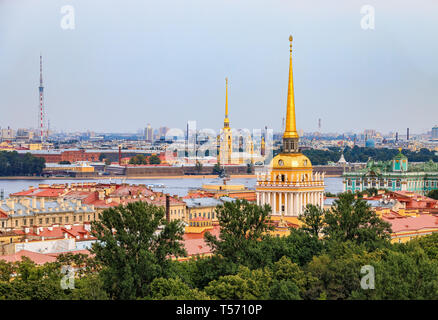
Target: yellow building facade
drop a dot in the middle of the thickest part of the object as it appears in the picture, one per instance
(291, 183)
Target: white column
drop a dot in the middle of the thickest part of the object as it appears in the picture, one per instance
(299, 202)
(274, 209)
(321, 200)
(258, 198)
(295, 204)
(285, 203)
(268, 198)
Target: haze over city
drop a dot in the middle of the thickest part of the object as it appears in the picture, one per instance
(130, 63)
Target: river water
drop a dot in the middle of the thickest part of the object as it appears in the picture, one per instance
(178, 187)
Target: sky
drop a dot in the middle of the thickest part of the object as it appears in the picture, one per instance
(129, 63)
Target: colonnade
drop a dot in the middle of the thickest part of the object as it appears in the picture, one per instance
(291, 203)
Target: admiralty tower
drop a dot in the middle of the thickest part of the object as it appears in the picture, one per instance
(290, 184)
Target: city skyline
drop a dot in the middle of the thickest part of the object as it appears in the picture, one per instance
(165, 69)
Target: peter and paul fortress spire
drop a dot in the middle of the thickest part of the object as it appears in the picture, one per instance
(226, 120)
(290, 136)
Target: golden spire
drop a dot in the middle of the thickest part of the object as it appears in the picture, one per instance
(290, 130)
(226, 120)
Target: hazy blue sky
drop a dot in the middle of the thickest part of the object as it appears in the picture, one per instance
(129, 63)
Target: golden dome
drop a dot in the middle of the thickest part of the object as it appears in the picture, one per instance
(290, 160)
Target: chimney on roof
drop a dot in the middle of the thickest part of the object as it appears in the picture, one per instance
(42, 203)
(25, 202)
(167, 208)
(10, 203)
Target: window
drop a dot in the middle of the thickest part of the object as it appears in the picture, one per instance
(53, 220)
(398, 183)
(16, 223)
(74, 218)
(3, 224)
(349, 182)
(88, 217)
(80, 218)
(60, 219)
(31, 222)
(66, 219)
(41, 221)
(47, 220)
(24, 222)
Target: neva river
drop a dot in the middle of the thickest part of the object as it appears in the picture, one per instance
(172, 186)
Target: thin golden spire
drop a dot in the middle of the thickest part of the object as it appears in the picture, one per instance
(290, 131)
(226, 120)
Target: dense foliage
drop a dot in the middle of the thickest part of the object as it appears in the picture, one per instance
(13, 164)
(321, 260)
(362, 154)
(142, 159)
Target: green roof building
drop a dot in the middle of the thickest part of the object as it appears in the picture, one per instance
(394, 175)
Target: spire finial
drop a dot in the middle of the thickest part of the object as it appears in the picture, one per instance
(226, 120)
(290, 129)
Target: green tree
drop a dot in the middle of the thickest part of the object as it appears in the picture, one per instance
(245, 285)
(135, 244)
(90, 287)
(404, 274)
(138, 159)
(352, 219)
(313, 220)
(175, 289)
(154, 159)
(433, 194)
(242, 224)
(198, 166)
(217, 169)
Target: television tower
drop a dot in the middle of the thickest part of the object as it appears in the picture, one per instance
(41, 106)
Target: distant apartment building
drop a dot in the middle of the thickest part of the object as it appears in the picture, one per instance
(148, 133)
(22, 212)
(7, 134)
(435, 132)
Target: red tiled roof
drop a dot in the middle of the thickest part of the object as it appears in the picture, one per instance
(413, 223)
(3, 215)
(38, 258)
(40, 192)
